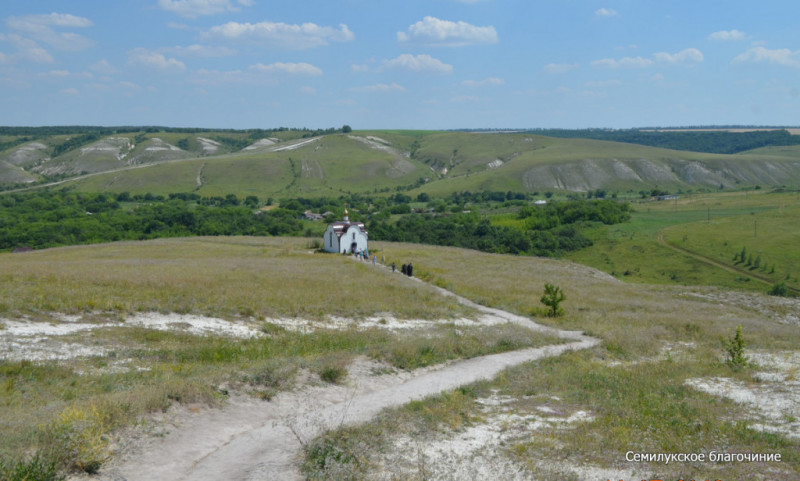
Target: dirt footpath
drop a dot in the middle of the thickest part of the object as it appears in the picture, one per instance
(250, 439)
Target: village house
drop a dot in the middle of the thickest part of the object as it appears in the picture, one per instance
(345, 237)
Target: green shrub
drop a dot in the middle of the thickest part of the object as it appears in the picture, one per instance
(779, 289)
(734, 349)
(552, 298)
(37, 468)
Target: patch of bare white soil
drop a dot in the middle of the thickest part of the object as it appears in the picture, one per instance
(260, 144)
(250, 439)
(209, 146)
(295, 145)
(773, 397)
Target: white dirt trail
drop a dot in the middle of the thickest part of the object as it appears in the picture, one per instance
(250, 439)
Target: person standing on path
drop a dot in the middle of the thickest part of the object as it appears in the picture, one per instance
(394, 266)
(410, 270)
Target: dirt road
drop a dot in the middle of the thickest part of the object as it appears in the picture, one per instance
(250, 439)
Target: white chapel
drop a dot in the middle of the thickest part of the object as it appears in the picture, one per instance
(344, 236)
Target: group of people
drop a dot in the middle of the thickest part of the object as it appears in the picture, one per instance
(363, 255)
(407, 269)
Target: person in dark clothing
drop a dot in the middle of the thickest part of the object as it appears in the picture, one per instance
(403, 269)
(409, 270)
(394, 266)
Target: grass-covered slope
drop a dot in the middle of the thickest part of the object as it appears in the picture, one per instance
(383, 161)
(330, 165)
(522, 162)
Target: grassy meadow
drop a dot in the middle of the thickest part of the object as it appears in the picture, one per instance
(65, 410)
(714, 226)
(655, 338)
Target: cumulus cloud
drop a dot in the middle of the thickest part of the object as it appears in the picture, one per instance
(690, 56)
(140, 57)
(380, 88)
(258, 74)
(27, 50)
(301, 68)
(606, 12)
(42, 28)
(56, 74)
(560, 68)
(418, 63)
(465, 98)
(200, 51)
(726, 35)
(436, 32)
(783, 57)
(484, 82)
(295, 37)
(197, 8)
(103, 67)
(626, 62)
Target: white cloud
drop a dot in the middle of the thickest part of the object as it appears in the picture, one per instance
(433, 31)
(140, 57)
(418, 63)
(689, 56)
(484, 82)
(200, 51)
(465, 98)
(359, 68)
(295, 37)
(69, 91)
(178, 26)
(128, 85)
(258, 74)
(726, 35)
(56, 74)
(380, 88)
(626, 62)
(606, 12)
(197, 8)
(42, 28)
(604, 83)
(27, 49)
(287, 68)
(783, 57)
(560, 68)
(103, 67)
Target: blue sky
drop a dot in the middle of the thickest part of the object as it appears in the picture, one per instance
(424, 64)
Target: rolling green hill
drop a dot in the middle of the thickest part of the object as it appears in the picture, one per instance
(288, 164)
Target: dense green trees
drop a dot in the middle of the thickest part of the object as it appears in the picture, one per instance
(55, 218)
(549, 230)
(48, 219)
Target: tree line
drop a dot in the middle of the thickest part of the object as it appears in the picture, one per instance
(551, 230)
(700, 141)
(56, 218)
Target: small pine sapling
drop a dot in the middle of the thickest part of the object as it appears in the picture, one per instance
(552, 298)
(734, 350)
